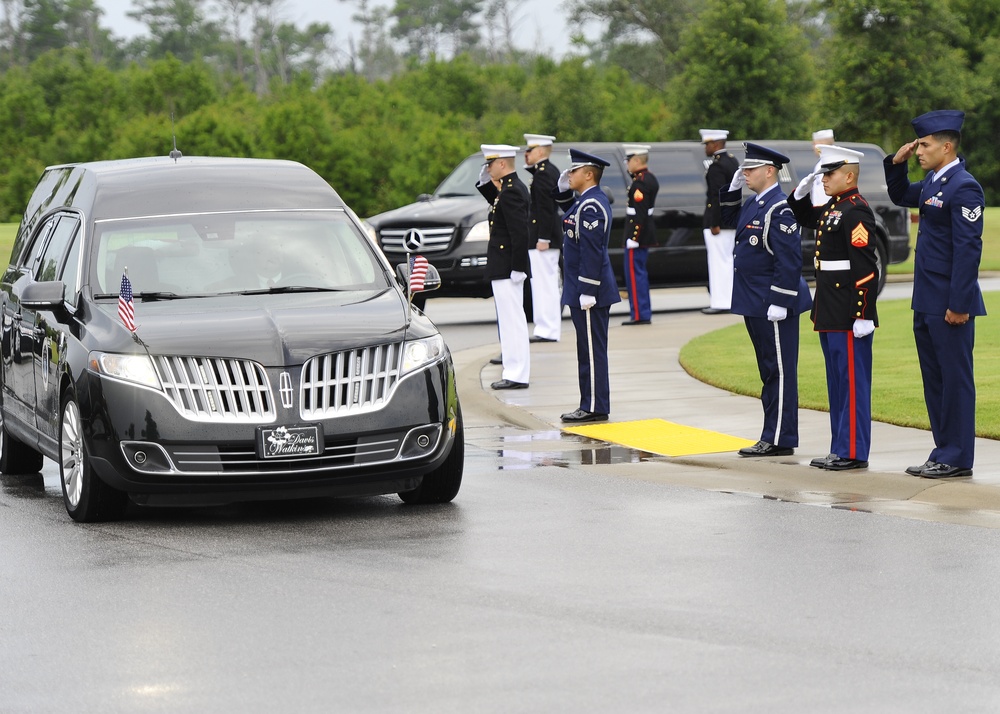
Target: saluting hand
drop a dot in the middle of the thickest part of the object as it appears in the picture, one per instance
(738, 182)
(563, 184)
(905, 152)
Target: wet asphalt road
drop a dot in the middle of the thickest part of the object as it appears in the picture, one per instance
(546, 587)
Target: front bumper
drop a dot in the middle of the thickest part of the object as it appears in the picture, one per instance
(137, 442)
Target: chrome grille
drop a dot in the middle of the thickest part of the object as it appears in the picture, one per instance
(349, 382)
(216, 390)
(417, 239)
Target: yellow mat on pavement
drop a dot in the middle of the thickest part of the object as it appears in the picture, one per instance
(658, 436)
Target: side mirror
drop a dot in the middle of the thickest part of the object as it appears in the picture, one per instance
(432, 280)
(44, 296)
(424, 197)
(607, 192)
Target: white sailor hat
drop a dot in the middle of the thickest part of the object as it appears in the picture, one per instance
(636, 149)
(498, 151)
(823, 135)
(533, 140)
(708, 135)
(832, 157)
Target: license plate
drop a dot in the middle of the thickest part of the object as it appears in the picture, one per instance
(283, 442)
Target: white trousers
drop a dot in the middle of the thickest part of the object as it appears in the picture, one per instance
(546, 297)
(513, 326)
(720, 267)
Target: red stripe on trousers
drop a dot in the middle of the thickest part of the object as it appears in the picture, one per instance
(631, 284)
(852, 399)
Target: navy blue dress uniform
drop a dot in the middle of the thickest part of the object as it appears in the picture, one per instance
(640, 228)
(847, 278)
(587, 271)
(545, 230)
(507, 265)
(720, 167)
(767, 277)
(945, 278)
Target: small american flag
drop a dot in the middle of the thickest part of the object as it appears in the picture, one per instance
(418, 272)
(126, 308)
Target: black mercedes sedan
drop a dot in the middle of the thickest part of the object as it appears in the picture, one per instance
(190, 330)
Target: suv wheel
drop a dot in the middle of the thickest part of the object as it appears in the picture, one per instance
(87, 498)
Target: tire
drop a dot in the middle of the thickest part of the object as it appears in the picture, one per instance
(86, 497)
(441, 485)
(16, 457)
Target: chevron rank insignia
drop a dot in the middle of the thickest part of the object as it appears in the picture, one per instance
(787, 229)
(590, 226)
(638, 196)
(972, 214)
(859, 236)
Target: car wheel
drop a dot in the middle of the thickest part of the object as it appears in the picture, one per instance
(87, 498)
(441, 485)
(15, 456)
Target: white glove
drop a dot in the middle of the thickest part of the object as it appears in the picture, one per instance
(776, 313)
(484, 175)
(517, 277)
(587, 301)
(805, 186)
(738, 182)
(563, 184)
(863, 328)
(631, 244)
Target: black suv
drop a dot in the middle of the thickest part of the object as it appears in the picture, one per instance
(449, 226)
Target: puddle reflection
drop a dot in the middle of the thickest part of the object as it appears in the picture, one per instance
(591, 452)
(23, 485)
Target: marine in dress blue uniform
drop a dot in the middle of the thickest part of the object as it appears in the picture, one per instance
(589, 287)
(640, 232)
(946, 295)
(844, 311)
(507, 265)
(769, 291)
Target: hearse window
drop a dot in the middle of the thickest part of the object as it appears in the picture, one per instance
(34, 255)
(48, 266)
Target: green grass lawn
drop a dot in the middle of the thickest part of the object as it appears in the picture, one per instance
(725, 359)
(991, 245)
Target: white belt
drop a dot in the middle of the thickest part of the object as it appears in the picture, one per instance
(833, 265)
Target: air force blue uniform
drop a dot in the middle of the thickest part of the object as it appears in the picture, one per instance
(945, 277)
(767, 270)
(587, 271)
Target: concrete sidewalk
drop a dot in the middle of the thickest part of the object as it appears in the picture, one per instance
(648, 382)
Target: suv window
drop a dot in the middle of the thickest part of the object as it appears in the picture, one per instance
(34, 254)
(48, 266)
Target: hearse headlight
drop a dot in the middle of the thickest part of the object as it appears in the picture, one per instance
(131, 368)
(420, 353)
(478, 233)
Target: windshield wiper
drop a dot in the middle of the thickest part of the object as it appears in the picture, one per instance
(154, 295)
(452, 195)
(284, 289)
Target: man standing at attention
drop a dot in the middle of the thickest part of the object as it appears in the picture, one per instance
(507, 259)
(721, 166)
(821, 138)
(769, 291)
(640, 232)
(544, 239)
(589, 287)
(946, 294)
(844, 314)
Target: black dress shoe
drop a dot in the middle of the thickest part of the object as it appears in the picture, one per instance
(762, 448)
(822, 461)
(508, 384)
(714, 311)
(497, 360)
(839, 464)
(945, 471)
(918, 470)
(581, 415)
(535, 338)
(637, 322)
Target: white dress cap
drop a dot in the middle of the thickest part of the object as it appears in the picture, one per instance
(533, 140)
(636, 149)
(823, 135)
(833, 157)
(708, 135)
(498, 151)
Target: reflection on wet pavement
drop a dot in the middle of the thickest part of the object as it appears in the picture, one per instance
(23, 485)
(524, 450)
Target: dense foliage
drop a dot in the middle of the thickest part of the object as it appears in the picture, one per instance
(385, 118)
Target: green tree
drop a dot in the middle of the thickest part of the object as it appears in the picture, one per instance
(428, 25)
(887, 63)
(177, 27)
(746, 69)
